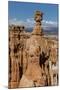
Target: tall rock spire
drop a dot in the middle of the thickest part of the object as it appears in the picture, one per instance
(37, 28)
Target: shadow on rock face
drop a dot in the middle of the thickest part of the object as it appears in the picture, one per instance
(42, 59)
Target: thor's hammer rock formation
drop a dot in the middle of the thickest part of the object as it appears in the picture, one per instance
(32, 57)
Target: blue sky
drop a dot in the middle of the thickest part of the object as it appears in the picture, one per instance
(20, 12)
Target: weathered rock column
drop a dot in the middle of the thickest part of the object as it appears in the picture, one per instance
(15, 55)
(37, 28)
(14, 65)
(33, 74)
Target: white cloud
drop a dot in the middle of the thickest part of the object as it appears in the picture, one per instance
(47, 25)
(29, 23)
(15, 22)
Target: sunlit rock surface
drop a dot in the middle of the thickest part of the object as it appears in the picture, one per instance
(33, 58)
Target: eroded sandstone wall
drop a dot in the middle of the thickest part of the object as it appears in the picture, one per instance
(33, 59)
